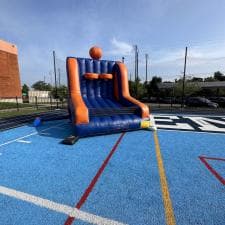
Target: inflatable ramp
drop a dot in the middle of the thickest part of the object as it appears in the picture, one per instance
(99, 98)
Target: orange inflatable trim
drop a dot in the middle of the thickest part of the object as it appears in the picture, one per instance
(91, 76)
(126, 92)
(80, 109)
(106, 76)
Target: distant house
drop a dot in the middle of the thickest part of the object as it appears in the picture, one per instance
(41, 96)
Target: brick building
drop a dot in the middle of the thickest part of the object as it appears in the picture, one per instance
(10, 86)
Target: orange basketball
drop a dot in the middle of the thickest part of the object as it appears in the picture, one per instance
(95, 52)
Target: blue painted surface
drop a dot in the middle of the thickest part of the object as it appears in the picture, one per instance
(129, 190)
(198, 198)
(218, 166)
(18, 132)
(16, 212)
(50, 170)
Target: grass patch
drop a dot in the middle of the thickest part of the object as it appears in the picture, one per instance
(13, 105)
(25, 111)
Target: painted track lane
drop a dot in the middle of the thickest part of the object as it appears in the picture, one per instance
(197, 196)
(129, 189)
(93, 182)
(56, 207)
(50, 170)
(169, 213)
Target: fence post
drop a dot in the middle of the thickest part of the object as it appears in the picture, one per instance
(57, 102)
(51, 101)
(36, 102)
(17, 104)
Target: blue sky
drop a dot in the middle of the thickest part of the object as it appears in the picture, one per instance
(160, 28)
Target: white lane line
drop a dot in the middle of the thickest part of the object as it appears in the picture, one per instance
(24, 141)
(28, 135)
(171, 117)
(163, 120)
(61, 208)
(45, 133)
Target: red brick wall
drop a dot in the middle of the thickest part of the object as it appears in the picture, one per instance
(9, 75)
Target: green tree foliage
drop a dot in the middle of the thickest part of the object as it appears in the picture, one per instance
(42, 86)
(132, 87)
(209, 79)
(152, 87)
(196, 79)
(146, 89)
(219, 76)
(190, 88)
(62, 92)
(25, 90)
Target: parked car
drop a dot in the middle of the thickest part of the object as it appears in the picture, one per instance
(144, 99)
(200, 102)
(219, 100)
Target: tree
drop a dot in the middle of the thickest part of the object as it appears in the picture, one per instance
(190, 88)
(152, 87)
(25, 90)
(209, 79)
(62, 92)
(42, 86)
(132, 87)
(219, 76)
(196, 79)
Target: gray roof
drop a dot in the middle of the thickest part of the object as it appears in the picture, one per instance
(213, 84)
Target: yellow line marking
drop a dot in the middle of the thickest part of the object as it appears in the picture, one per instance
(170, 218)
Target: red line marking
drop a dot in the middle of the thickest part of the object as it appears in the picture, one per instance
(213, 171)
(85, 195)
(213, 158)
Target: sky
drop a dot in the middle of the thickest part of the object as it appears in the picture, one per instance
(162, 29)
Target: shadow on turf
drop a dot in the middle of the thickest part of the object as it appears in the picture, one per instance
(60, 130)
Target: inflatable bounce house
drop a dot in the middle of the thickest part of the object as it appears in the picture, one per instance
(99, 97)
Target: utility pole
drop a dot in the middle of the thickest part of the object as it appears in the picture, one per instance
(59, 77)
(55, 74)
(146, 68)
(56, 90)
(50, 75)
(183, 92)
(135, 63)
(136, 69)
(123, 59)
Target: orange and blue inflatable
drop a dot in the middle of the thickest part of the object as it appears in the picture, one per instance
(99, 97)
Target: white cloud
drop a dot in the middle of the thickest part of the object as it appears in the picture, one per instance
(120, 48)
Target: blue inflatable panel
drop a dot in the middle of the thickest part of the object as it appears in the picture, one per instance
(106, 114)
(108, 124)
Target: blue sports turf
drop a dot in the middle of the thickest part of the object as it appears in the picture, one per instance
(127, 191)
(197, 196)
